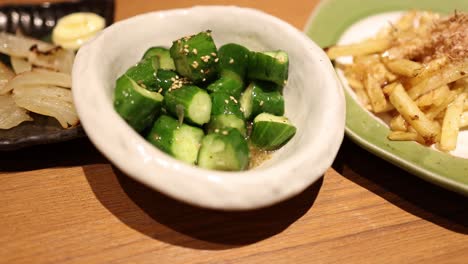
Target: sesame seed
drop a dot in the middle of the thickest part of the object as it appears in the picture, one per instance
(242, 109)
(216, 130)
(177, 76)
(285, 82)
(186, 46)
(204, 79)
(231, 61)
(160, 90)
(195, 64)
(202, 71)
(225, 132)
(213, 54)
(186, 51)
(233, 99)
(173, 79)
(226, 101)
(195, 51)
(261, 103)
(216, 60)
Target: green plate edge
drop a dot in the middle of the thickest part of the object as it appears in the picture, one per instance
(325, 26)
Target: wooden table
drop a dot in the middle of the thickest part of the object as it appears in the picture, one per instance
(65, 203)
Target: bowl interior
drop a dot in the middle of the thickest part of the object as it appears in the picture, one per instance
(314, 100)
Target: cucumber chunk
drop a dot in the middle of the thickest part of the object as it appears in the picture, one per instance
(178, 140)
(270, 132)
(167, 80)
(270, 66)
(144, 73)
(135, 104)
(225, 113)
(227, 150)
(261, 97)
(232, 67)
(230, 85)
(233, 58)
(194, 57)
(192, 102)
(163, 55)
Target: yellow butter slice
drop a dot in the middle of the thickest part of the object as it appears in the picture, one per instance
(75, 29)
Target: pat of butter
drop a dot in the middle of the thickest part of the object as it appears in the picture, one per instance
(75, 29)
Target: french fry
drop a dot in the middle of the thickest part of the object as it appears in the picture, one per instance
(363, 48)
(389, 88)
(412, 114)
(448, 74)
(435, 97)
(464, 120)
(376, 95)
(429, 69)
(398, 123)
(406, 136)
(450, 126)
(404, 67)
(435, 110)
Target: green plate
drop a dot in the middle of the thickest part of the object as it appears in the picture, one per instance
(325, 26)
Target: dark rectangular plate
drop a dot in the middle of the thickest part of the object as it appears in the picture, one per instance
(38, 20)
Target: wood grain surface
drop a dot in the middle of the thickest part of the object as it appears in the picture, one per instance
(65, 203)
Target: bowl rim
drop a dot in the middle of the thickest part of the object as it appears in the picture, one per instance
(221, 190)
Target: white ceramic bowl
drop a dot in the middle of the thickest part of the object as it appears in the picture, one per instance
(313, 95)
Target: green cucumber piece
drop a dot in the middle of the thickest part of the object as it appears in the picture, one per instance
(261, 97)
(270, 66)
(231, 85)
(144, 73)
(233, 58)
(232, 67)
(135, 104)
(227, 150)
(194, 57)
(270, 132)
(163, 55)
(167, 80)
(225, 113)
(189, 103)
(178, 140)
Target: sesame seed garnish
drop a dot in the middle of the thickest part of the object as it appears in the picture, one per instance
(213, 54)
(226, 101)
(195, 51)
(231, 61)
(195, 64)
(261, 103)
(177, 76)
(216, 60)
(233, 99)
(186, 46)
(225, 132)
(173, 79)
(204, 79)
(160, 90)
(242, 110)
(285, 82)
(216, 130)
(186, 51)
(202, 71)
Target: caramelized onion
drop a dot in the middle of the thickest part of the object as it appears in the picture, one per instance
(11, 115)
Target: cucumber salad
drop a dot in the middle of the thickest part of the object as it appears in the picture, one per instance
(207, 106)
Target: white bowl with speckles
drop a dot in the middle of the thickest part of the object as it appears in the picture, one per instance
(314, 103)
